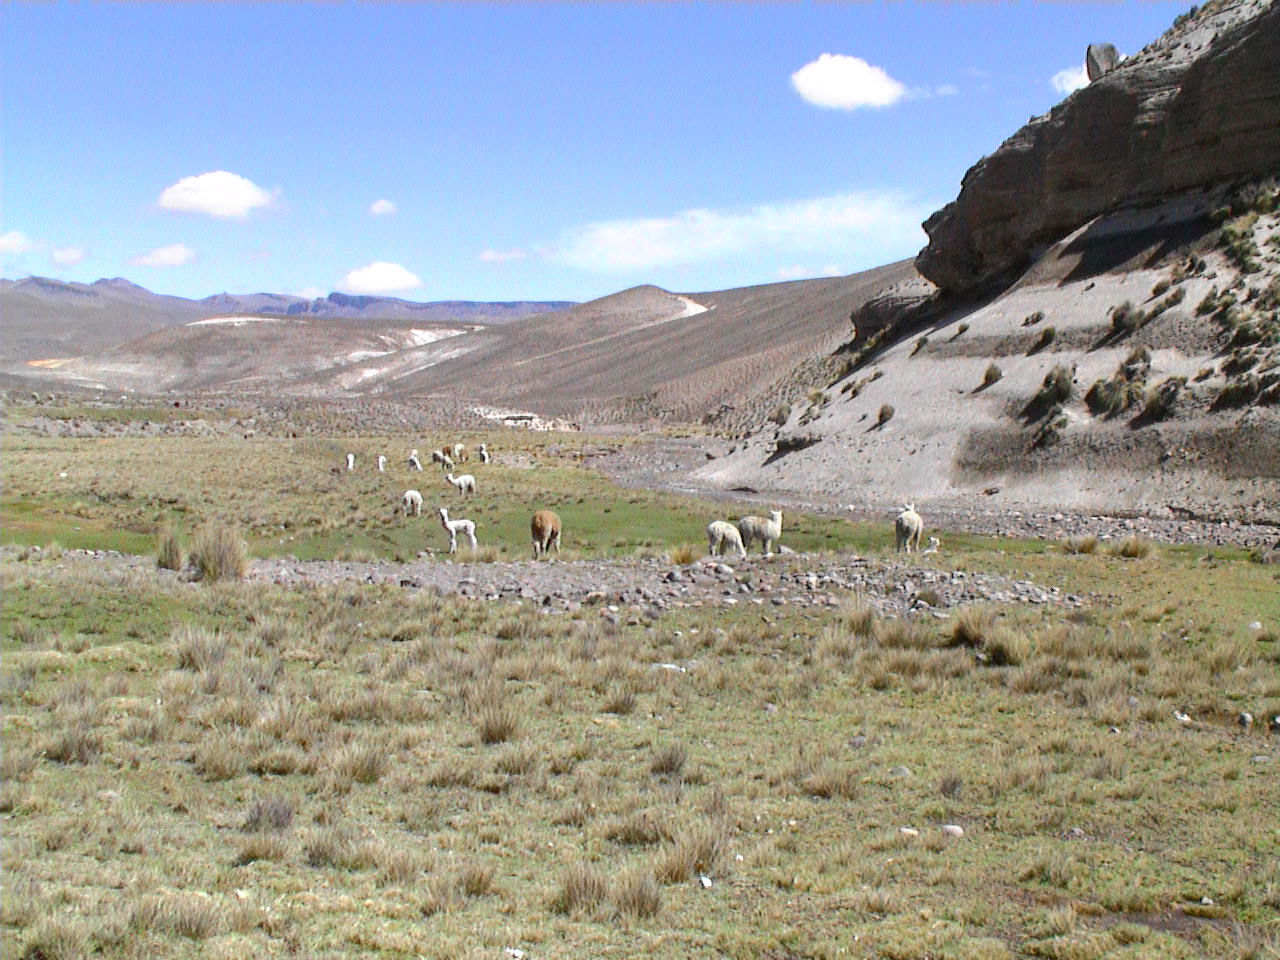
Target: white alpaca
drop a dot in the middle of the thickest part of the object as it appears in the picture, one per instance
(465, 482)
(934, 544)
(908, 529)
(484, 453)
(721, 535)
(767, 532)
(382, 463)
(414, 462)
(545, 528)
(412, 503)
(455, 527)
(458, 452)
(442, 458)
(351, 461)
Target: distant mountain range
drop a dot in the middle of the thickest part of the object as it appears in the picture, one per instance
(42, 318)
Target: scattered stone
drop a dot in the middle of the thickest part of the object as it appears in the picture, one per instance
(953, 830)
(705, 881)
(1100, 59)
(909, 831)
(900, 771)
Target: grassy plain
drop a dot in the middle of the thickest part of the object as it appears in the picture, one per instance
(243, 769)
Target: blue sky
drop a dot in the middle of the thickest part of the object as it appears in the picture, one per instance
(509, 151)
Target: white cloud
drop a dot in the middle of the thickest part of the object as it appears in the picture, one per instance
(501, 256)
(381, 207)
(68, 256)
(1070, 80)
(379, 278)
(175, 255)
(311, 293)
(947, 90)
(793, 271)
(890, 220)
(832, 270)
(15, 241)
(846, 83)
(219, 194)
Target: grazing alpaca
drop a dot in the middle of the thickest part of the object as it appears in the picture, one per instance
(934, 544)
(545, 527)
(414, 462)
(455, 527)
(351, 461)
(382, 463)
(908, 528)
(458, 452)
(412, 503)
(465, 482)
(484, 453)
(767, 532)
(721, 535)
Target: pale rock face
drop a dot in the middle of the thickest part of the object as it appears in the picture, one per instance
(1198, 107)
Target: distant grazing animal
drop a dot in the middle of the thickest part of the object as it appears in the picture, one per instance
(908, 528)
(458, 451)
(465, 482)
(545, 527)
(484, 453)
(767, 532)
(351, 461)
(721, 535)
(934, 544)
(412, 503)
(382, 463)
(414, 462)
(442, 458)
(455, 527)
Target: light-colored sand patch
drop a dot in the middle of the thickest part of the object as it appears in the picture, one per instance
(691, 308)
(420, 338)
(52, 363)
(233, 321)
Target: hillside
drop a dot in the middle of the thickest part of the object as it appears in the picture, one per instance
(43, 319)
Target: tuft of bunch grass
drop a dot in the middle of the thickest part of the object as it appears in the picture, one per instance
(219, 553)
(1132, 547)
(669, 760)
(992, 375)
(684, 554)
(496, 722)
(169, 552)
(972, 626)
(885, 415)
(581, 889)
(636, 894)
(1086, 544)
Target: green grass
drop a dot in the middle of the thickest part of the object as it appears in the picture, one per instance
(362, 770)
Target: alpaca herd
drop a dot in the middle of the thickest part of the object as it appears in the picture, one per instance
(723, 536)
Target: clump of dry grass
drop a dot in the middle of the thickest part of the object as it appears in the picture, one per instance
(338, 846)
(669, 760)
(272, 814)
(219, 553)
(1085, 544)
(699, 847)
(496, 722)
(971, 626)
(194, 916)
(77, 742)
(900, 633)
(858, 614)
(1132, 547)
(261, 846)
(684, 554)
(581, 889)
(169, 552)
(636, 894)
(357, 762)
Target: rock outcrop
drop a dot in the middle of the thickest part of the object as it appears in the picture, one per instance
(1197, 108)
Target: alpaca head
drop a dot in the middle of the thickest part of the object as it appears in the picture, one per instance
(444, 514)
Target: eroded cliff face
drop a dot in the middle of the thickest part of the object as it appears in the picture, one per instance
(1199, 107)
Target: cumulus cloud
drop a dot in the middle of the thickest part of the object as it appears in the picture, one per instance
(378, 278)
(68, 256)
(219, 194)
(15, 241)
(501, 256)
(311, 293)
(175, 255)
(382, 207)
(946, 90)
(846, 83)
(821, 224)
(1070, 80)
(796, 271)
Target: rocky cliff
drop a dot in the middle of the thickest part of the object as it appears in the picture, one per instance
(1197, 108)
